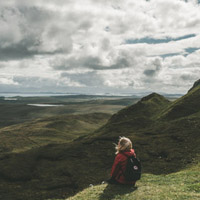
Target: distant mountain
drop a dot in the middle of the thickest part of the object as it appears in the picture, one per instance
(165, 136)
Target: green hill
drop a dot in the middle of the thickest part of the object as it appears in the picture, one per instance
(164, 143)
(58, 129)
(185, 106)
(137, 116)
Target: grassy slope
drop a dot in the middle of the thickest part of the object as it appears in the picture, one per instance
(177, 186)
(137, 116)
(186, 105)
(58, 129)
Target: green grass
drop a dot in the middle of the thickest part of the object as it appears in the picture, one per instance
(57, 129)
(176, 186)
(184, 106)
(19, 113)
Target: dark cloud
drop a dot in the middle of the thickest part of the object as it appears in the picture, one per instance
(90, 62)
(17, 51)
(36, 15)
(29, 31)
(150, 72)
(188, 77)
(21, 51)
(156, 64)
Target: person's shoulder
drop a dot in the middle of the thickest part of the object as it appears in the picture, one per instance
(129, 153)
(120, 156)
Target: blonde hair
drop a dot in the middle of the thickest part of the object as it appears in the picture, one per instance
(124, 144)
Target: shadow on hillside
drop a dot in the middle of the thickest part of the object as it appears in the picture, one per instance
(112, 191)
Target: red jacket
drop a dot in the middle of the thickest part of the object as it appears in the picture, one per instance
(119, 166)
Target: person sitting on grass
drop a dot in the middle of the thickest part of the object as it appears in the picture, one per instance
(123, 151)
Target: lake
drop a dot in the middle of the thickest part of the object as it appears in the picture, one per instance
(44, 105)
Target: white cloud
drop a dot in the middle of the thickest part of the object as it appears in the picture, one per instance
(10, 32)
(84, 43)
(7, 81)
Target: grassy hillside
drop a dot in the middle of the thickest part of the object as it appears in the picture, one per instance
(137, 116)
(177, 186)
(186, 105)
(58, 129)
(164, 145)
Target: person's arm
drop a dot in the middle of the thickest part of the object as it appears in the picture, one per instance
(115, 167)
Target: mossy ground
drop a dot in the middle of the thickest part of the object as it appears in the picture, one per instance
(177, 186)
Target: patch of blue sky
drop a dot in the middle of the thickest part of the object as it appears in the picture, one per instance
(170, 55)
(187, 52)
(198, 1)
(191, 50)
(149, 40)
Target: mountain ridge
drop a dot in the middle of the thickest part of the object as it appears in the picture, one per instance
(146, 108)
(184, 106)
(196, 84)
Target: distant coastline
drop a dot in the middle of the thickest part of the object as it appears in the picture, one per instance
(46, 94)
(4, 94)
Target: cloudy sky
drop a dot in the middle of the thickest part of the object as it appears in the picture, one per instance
(99, 46)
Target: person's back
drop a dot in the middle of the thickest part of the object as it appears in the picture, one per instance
(123, 151)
